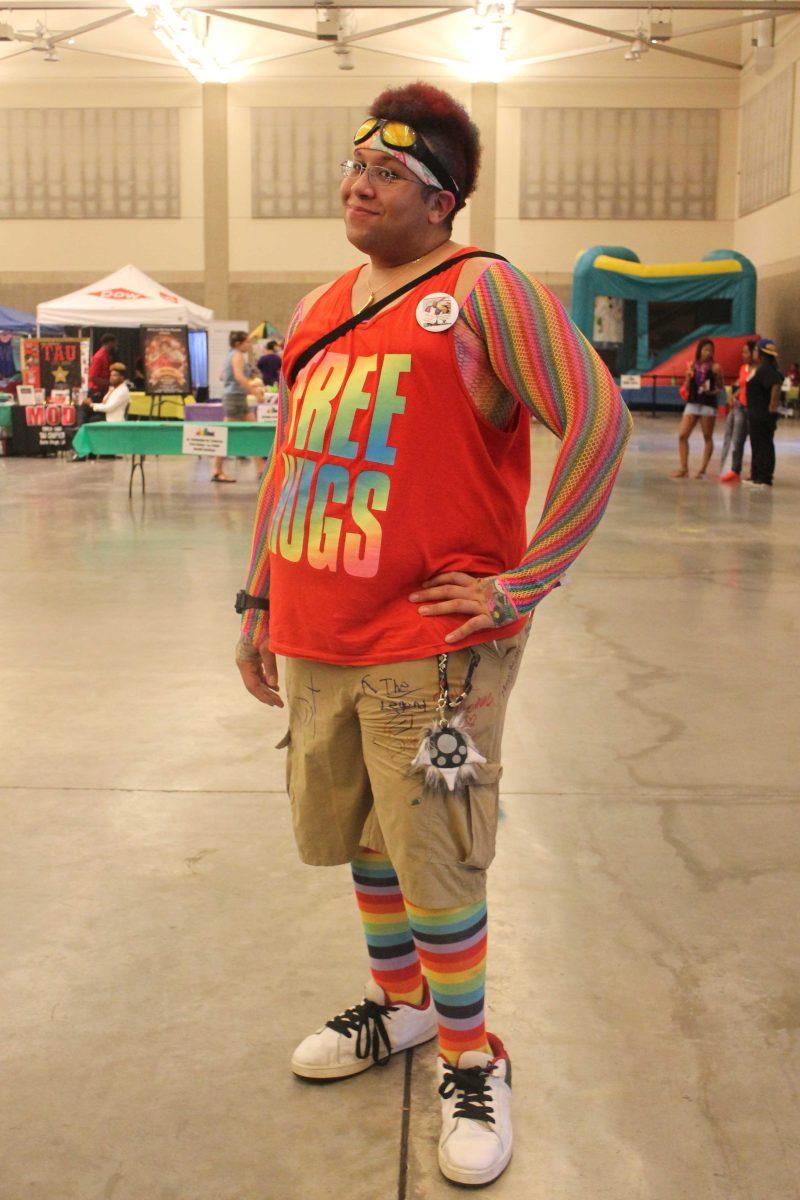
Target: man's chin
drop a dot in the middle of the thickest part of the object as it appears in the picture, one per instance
(358, 238)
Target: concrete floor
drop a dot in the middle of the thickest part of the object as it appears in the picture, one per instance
(163, 949)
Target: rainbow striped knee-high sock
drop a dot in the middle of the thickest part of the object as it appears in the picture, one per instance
(451, 943)
(393, 958)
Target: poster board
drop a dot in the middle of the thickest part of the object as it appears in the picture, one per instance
(165, 354)
(55, 363)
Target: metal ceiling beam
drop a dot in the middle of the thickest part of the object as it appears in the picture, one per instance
(230, 16)
(630, 38)
(368, 33)
(557, 55)
(159, 62)
(743, 6)
(118, 16)
(781, 6)
(712, 26)
(429, 58)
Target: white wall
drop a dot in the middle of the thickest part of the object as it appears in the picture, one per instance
(770, 235)
(550, 248)
(97, 247)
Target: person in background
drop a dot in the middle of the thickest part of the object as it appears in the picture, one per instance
(100, 367)
(763, 399)
(270, 364)
(704, 382)
(114, 404)
(793, 375)
(237, 385)
(736, 422)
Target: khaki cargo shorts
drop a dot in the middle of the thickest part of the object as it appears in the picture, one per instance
(353, 734)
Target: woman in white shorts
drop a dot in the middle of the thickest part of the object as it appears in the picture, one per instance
(703, 384)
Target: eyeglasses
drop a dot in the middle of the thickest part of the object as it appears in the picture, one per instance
(378, 176)
(398, 136)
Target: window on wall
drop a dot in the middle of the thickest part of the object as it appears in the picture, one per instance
(647, 164)
(89, 163)
(766, 144)
(296, 155)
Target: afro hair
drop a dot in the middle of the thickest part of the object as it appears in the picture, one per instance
(443, 123)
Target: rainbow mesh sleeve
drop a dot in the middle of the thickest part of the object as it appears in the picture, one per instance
(542, 360)
(255, 622)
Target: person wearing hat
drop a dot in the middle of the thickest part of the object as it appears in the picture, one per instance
(763, 399)
(114, 404)
(392, 566)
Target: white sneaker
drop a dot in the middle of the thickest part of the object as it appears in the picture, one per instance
(364, 1036)
(476, 1141)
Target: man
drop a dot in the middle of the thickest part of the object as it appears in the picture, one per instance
(100, 366)
(390, 566)
(763, 400)
(269, 364)
(114, 404)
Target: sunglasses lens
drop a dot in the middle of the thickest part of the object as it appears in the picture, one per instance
(365, 130)
(397, 135)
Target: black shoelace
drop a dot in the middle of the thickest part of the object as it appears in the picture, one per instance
(366, 1021)
(473, 1085)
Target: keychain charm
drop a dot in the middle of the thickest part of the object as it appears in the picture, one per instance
(448, 754)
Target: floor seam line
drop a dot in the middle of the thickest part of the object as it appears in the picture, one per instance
(402, 1175)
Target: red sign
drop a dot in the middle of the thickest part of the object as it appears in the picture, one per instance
(50, 414)
(118, 294)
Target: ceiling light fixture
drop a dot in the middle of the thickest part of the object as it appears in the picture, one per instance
(637, 48)
(174, 31)
(490, 38)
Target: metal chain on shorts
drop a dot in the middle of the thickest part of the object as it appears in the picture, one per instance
(446, 703)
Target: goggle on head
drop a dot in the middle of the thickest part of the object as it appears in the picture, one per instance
(395, 135)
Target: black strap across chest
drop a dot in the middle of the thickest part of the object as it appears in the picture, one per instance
(366, 314)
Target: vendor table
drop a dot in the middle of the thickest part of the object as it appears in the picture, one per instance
(140, 438)
(5, 416)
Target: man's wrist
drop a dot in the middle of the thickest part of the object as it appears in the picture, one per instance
(502, 610)
(247, 651)
(245, 601)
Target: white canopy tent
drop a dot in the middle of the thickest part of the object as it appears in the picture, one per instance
(125, 299)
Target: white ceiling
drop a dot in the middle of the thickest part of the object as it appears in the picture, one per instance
(104, 39)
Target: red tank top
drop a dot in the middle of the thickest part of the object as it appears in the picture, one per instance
(387, 475)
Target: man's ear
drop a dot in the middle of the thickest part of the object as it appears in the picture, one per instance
(440, 207)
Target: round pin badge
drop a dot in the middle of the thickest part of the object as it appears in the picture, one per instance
(437, 312)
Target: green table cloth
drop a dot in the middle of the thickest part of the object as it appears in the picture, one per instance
(166, 437)
(5, 416)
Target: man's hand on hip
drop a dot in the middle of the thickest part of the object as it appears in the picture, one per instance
(258, 668)
(456, 592)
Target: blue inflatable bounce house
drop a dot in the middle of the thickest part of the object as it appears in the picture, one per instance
(644, 319)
